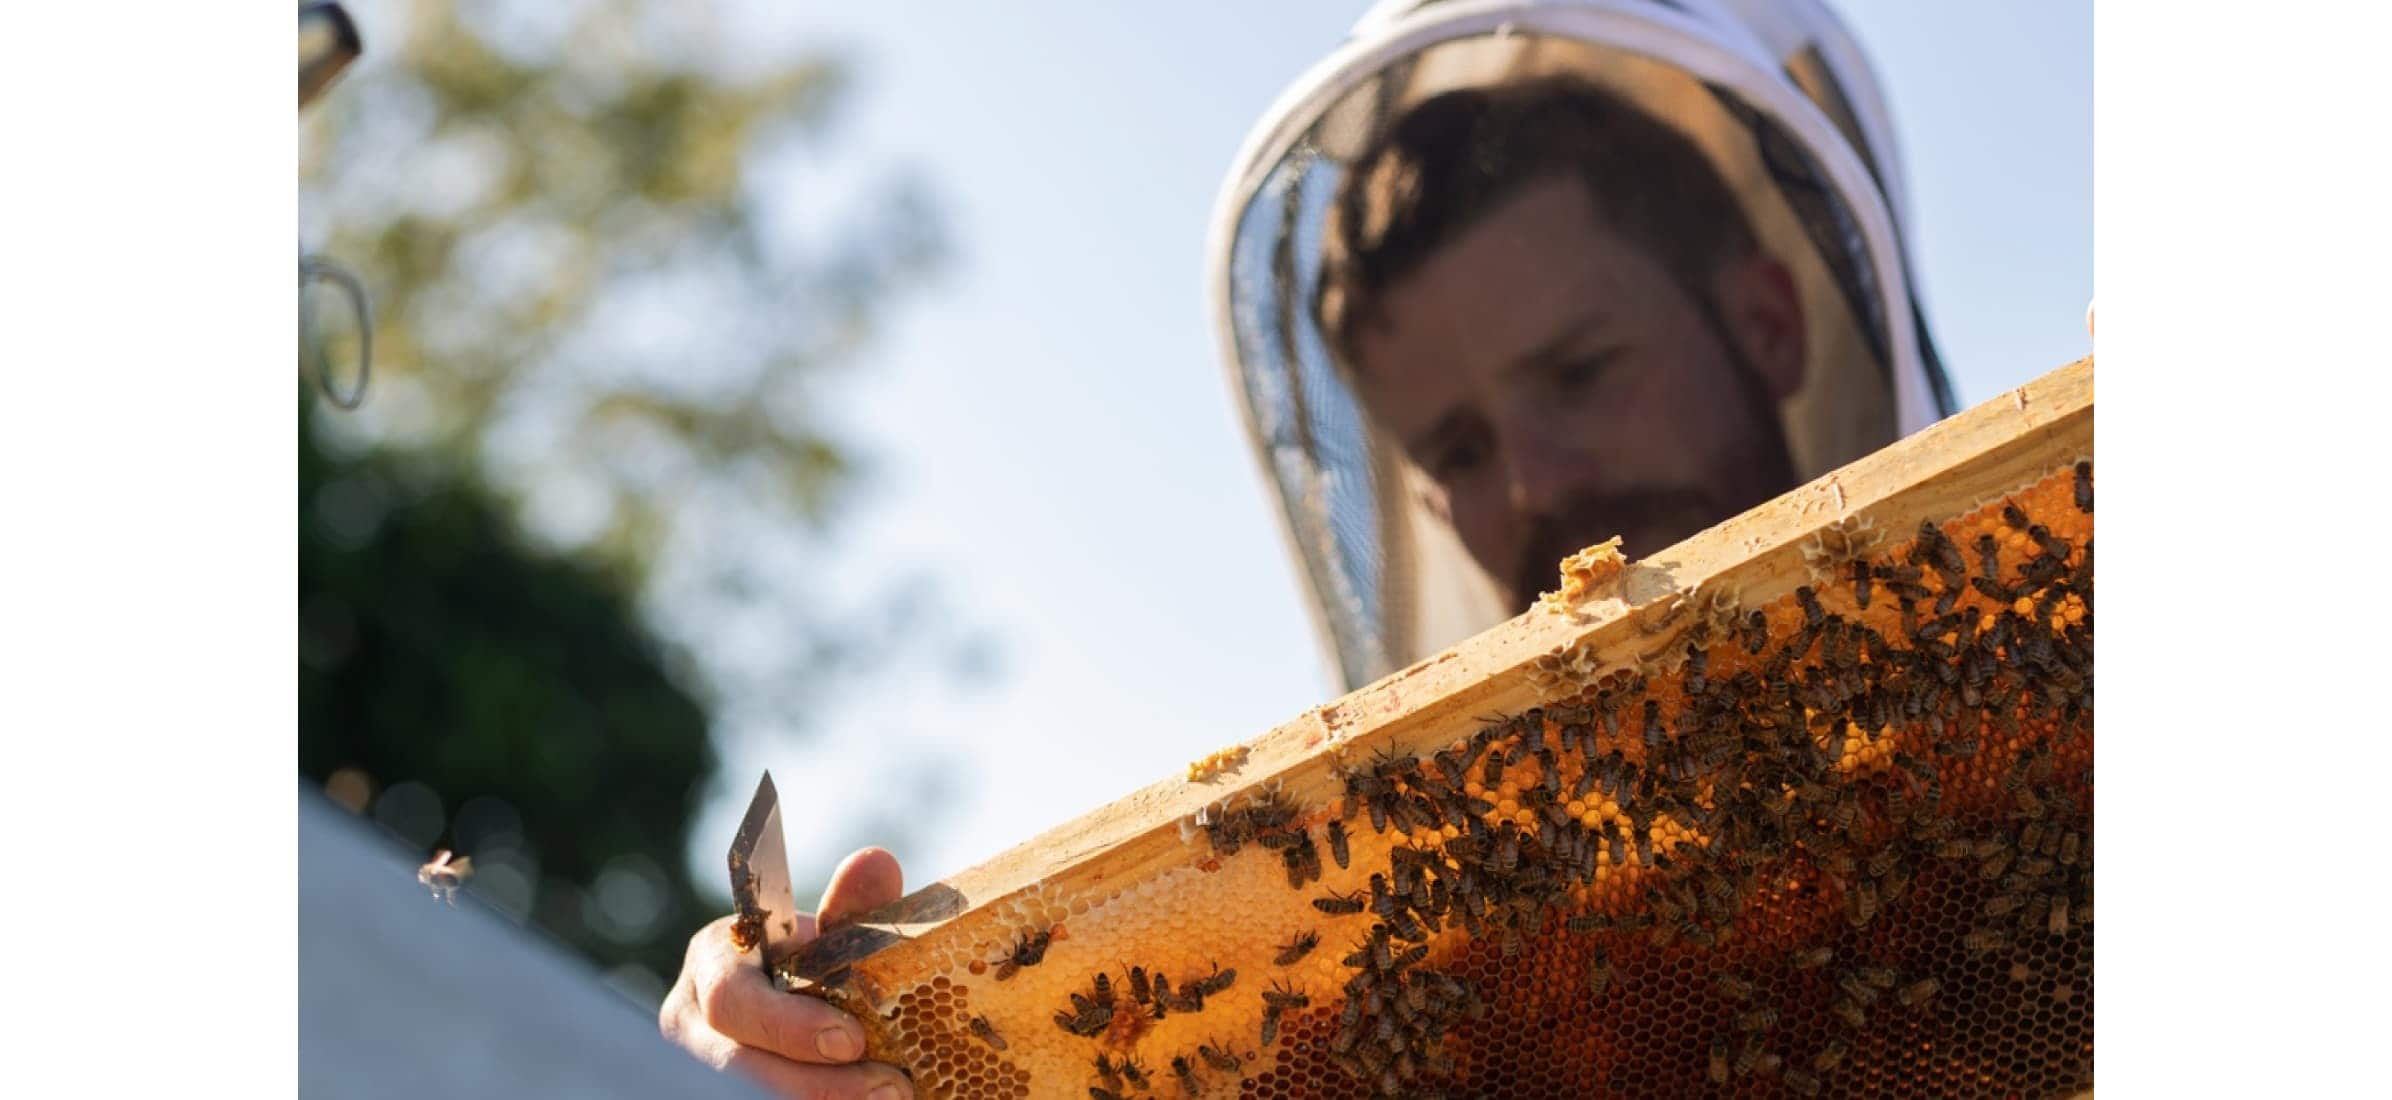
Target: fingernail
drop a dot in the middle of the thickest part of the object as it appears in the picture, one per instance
(891, 1091)
(837, 1044)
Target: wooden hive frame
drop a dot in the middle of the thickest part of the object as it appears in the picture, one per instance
(931, 954)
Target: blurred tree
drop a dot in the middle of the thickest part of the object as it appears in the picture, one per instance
(614, 262)
(437, 654)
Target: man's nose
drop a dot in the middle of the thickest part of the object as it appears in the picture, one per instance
(1542, 473)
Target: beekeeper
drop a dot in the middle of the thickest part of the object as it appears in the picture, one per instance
(1495, 282)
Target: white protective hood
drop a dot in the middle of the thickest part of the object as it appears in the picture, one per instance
(1774, 92)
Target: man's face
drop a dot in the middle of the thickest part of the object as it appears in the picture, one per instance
(1561, 388)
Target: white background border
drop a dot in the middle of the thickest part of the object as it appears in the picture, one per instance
(148, 464)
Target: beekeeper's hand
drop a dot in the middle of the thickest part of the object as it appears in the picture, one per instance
(723, 1010)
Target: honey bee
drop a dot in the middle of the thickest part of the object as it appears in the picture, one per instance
(2084, 487)
(1853, 1015)
(1897, 802)
(1227, 831)
(1802, 1083)
(1988, 558)
(1860, 584)
(1214, 982)
(1598, 972)
(1981, 940)
(1029, 948)
(1341, 904)
(1337, 843)
(1453, 764)
(1718, 1072)
(1749, 1058)
(1814, 958)
(1190, 999)
(1813, 615)
(1895, 884)
(1918, 992)
(1735, 987)
(1374, 953)
(2015, 518)
(2059, 915)
(1270, 1024)
(1378, 813)
(1099, 1093)
(1220, 1057)
(1284, 997)
(1297, 948)
(1829, 1056)
(1303, 864)
(2068, 849)
(1942, 553)
(2055, 548)
(1134, 1072)
(987, 1033)
(1758, 1019)
(1105, 1071)
(2028, 803)
(446, 872)
(1186, 1073)
(1085, 1024)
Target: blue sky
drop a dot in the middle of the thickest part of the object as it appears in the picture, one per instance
(1050, 422)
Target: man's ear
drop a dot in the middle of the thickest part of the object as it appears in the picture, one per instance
(1762, 309)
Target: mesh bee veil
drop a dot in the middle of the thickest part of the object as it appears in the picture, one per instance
(1776, 96)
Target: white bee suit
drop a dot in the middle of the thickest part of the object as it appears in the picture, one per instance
(1777, 96)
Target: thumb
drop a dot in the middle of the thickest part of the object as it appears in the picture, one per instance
(866, 880)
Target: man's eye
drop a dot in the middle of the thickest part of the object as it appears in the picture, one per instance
(1458, 459)
(1578, 374)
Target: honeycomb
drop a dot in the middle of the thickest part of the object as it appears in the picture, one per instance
(1836, 844)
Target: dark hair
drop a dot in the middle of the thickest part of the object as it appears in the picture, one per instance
(1453, 158)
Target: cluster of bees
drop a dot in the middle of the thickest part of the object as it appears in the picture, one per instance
(1151, 996)
(1148, 997)
(1122, 1075)
(1271, 821)
(1650, 815)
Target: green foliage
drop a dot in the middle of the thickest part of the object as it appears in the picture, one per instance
(578, 271)
(612, 277)
(436, 651)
